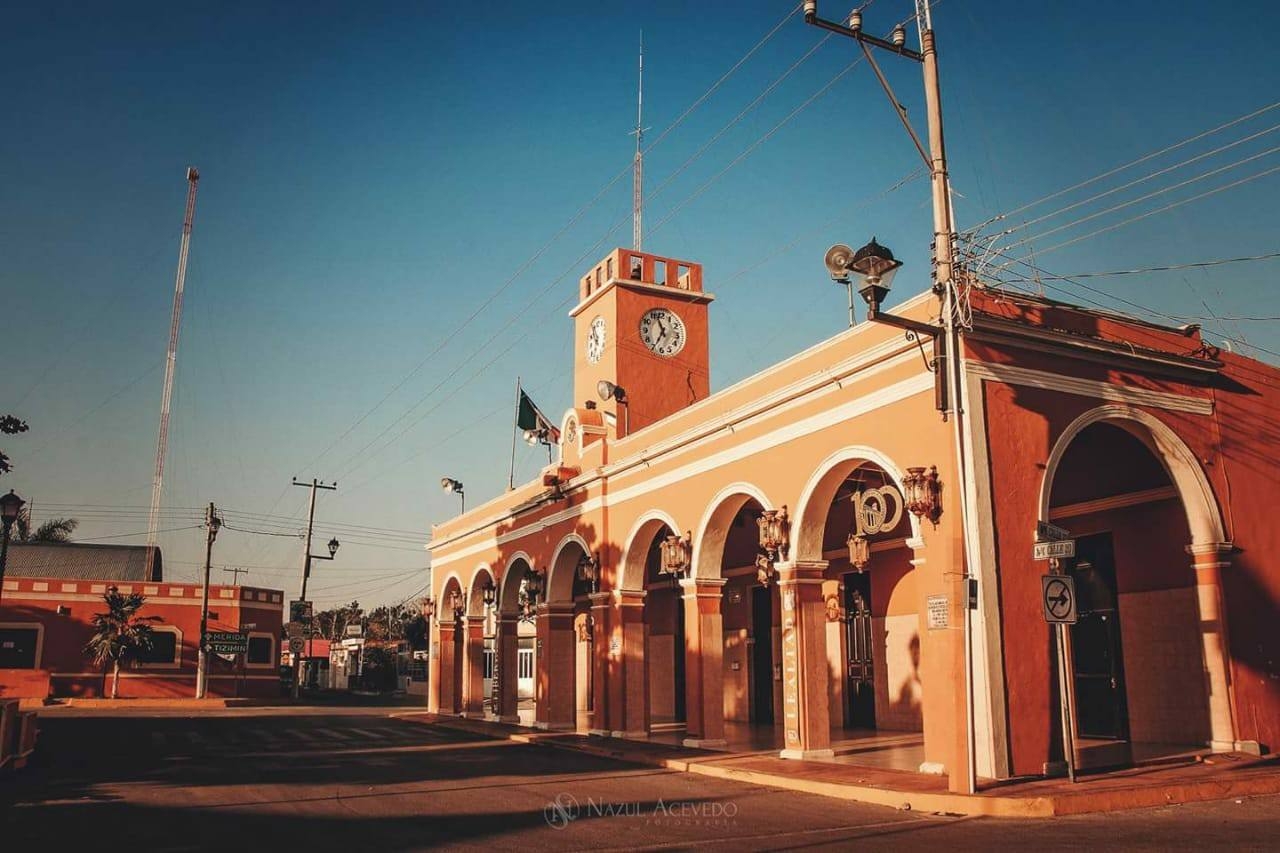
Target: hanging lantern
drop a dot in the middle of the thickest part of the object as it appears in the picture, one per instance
(859, 551)
(428, 608)
(488, 593)
(922, 493)
(589, 570)
(530, 592)
(775, 541)
(458, 602)
(676, 556)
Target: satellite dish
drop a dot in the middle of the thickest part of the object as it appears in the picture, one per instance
(837, 260)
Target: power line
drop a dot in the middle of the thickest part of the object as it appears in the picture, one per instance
(1148, 196)
(1167, 207)
(1117, 169)
(1197, 265)
(538, 254)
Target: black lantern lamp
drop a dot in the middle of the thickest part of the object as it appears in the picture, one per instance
(488, 593)
(874, 266)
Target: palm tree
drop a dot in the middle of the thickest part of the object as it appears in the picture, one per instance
(53, 530)
(119, 634)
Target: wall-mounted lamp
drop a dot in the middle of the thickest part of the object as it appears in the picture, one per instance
(451, 485)
(609, 391)
(921, 491)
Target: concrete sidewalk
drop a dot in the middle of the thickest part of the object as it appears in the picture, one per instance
(1221, 776)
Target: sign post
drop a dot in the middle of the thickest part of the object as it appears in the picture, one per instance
(1058, 604)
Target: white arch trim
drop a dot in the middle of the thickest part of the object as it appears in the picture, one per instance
(852, 453)
(569, 539)
(1203, 515)
(748, 490)
(630, 542)
(452, 576)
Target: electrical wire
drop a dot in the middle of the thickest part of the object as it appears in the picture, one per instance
(1170, 267)
(1144, 158)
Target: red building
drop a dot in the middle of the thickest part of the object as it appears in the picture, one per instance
(51, 593)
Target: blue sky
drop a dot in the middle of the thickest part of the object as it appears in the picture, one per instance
(371, 177)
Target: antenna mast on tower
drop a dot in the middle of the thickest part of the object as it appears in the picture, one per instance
(637, 180)
(171, 362)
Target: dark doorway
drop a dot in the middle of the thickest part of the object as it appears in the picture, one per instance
(1101, 708)
(762, 655)
(860, 685)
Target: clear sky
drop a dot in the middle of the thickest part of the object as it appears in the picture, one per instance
(373, 174)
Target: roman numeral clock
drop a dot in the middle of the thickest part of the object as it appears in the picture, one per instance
(641, 324)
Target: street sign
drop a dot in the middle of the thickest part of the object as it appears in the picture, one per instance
(1054, 550)
(299, 611)
(297, 644)
(295, 629)
(1058, 598)
(228, 642)
(1046, 532)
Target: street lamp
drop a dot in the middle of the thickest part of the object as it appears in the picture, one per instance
(530, 591)
(451, 485)
(922, 491)
(589, 570)
(872, 268)
(609, 391)
(489, 593)
(428, 608)
(10, 507)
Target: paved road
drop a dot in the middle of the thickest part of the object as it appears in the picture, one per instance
(366, 780)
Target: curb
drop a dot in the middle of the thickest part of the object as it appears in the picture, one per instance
(976, 805)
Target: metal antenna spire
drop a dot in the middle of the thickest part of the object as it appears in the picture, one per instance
(171, 363)
(637, 180)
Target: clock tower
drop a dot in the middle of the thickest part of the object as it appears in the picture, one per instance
(641, 324)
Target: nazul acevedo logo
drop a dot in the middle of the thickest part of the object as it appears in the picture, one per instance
(565, 809)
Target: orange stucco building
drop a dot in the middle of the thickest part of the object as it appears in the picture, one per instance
(1155, 451)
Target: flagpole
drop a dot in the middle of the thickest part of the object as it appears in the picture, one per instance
(511, 478)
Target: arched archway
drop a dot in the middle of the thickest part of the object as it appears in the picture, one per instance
(661, 691)
(449, 614)
(476, 643)
(513, 682)
(1148, 657)
(852, 527)
(564, 634)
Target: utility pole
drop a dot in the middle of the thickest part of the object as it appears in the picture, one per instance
(170, 366)
(236, 572)
(212, 522)
(950, 362)
(306, 562)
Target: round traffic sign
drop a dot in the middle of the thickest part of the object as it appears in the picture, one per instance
(1057, 598)
(296, 645)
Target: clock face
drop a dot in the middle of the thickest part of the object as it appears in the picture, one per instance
(662, 331)
(595, 340)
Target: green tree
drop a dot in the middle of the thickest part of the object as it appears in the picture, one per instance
(9, 425)
(120, 634)
(53, 530)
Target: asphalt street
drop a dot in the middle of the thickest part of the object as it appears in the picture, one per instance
(357, 779)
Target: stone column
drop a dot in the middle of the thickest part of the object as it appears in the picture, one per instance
(633, 663)
(507, 651)
(448, 648)
(601, 638)
(473, 668)
(704, 661)
(556, 668)
(434, 669)
(806, 722)
(1209, 560)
